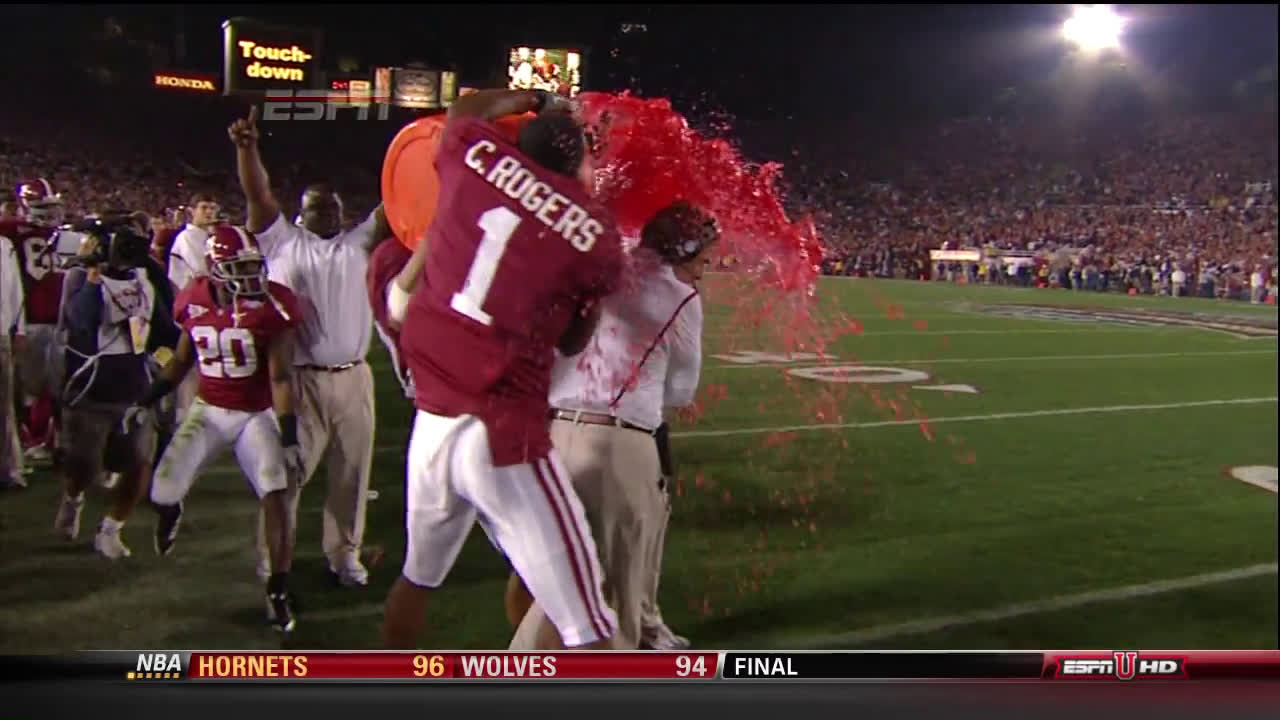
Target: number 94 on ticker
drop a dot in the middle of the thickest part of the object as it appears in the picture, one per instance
(691, 666)
(428, 666)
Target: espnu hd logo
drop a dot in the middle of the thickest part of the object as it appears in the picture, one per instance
(1119, 665)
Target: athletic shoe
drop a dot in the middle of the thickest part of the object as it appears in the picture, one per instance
(350, 572)
(660, 637)
(38, 455)
(168, 518)
(280, 612)
(109, 545)
(67, 521)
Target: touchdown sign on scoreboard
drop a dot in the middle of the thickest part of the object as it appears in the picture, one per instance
(258, 57)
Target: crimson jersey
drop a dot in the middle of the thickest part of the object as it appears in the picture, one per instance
(385, 263)
(38, 263)
(232, 352)
(515, 251)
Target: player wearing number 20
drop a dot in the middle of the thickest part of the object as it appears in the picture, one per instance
(519, 257)
(239, 333)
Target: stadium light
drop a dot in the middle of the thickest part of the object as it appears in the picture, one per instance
(1093, 28)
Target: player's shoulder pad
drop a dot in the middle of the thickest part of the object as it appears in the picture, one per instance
(192, 293)
(287, 300)
(19, 229)
(465, 130)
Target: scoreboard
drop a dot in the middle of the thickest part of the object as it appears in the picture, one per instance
(709, 666)
(258, 57)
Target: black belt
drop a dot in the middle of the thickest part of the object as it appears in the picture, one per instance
(590, 418)
(331, 368)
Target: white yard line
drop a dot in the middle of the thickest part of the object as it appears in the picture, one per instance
(974, 418)
(1101, 409)
(1085, 328)
(1015, 358)
(878, 633)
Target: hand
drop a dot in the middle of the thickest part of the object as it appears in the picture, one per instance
(295, 466)
(554, 102)
(134, 416)
(244, 131)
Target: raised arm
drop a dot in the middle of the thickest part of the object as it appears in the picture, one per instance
(381, 229)
(263, 209)
(404, 284)
(493, 104)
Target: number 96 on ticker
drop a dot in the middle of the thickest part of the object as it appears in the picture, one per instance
(431, 666)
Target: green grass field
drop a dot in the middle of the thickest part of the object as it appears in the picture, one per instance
(1048, 509)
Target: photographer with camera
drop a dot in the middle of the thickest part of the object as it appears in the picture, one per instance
(116, 310)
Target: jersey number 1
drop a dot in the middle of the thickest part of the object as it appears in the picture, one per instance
(228, 353)
(498, 224)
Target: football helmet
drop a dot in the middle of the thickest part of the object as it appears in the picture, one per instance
(40, 204)
(236, 262)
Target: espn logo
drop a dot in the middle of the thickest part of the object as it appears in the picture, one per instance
(1121, 666)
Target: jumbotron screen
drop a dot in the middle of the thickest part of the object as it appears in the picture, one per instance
(555, 70)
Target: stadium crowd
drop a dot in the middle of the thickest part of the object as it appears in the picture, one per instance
(1178, 200)
(1103, 206)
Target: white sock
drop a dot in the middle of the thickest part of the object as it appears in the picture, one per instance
(111, 526)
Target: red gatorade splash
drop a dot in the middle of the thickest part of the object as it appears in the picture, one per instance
(648, 157)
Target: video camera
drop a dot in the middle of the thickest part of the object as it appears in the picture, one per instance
(121, 237)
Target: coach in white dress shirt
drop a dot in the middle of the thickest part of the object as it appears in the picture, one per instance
(325, 266)
(607, 404)
(11, 319)
(186, 260)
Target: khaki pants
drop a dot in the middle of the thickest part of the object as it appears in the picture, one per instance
(615, 473)
(10, 458)
(651, 614)
(335, 424)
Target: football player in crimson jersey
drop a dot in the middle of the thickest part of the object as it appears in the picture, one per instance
(239, 331)
(40, 247)
(393, 276)
(385, 264)
(519, 256)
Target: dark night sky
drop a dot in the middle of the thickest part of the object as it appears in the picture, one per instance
(808, 66)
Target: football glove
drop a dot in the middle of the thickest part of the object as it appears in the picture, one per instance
(134, 416)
